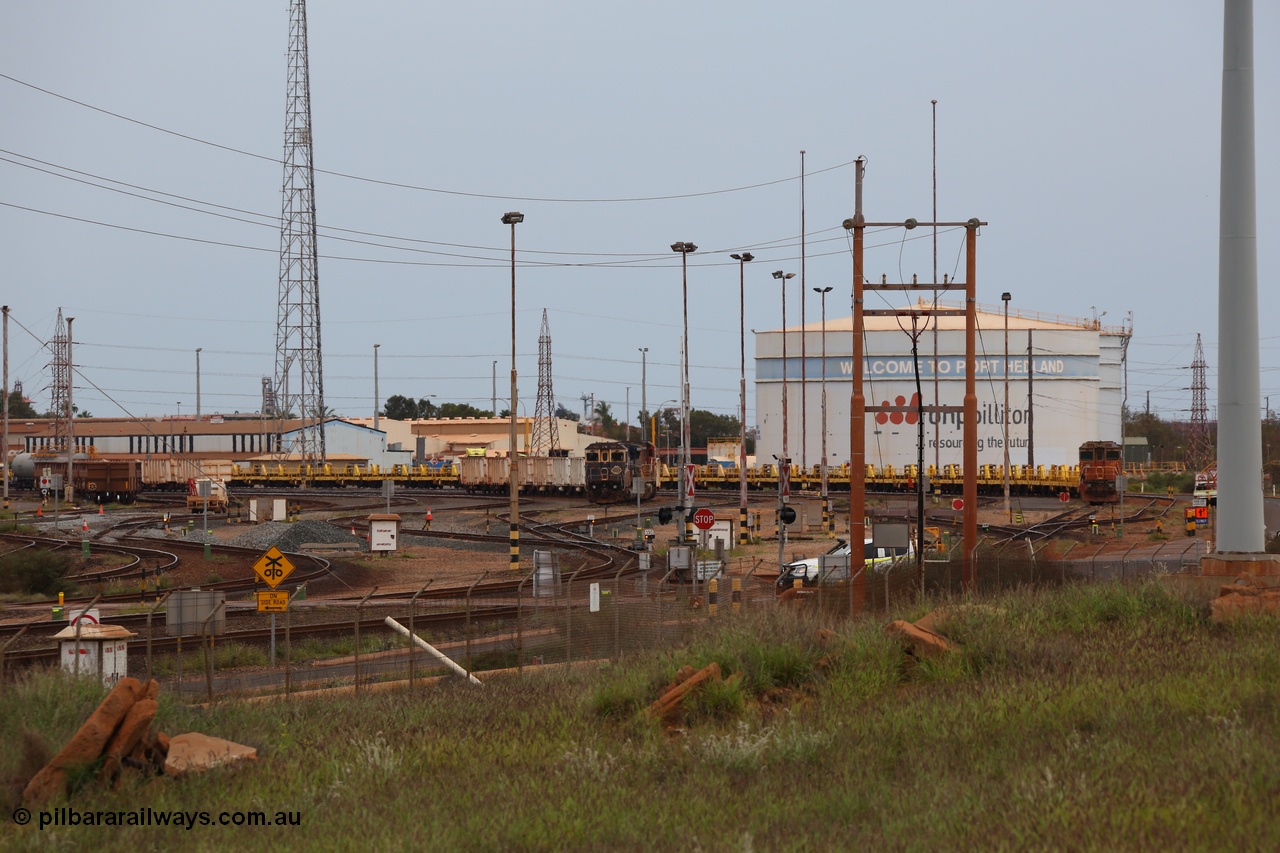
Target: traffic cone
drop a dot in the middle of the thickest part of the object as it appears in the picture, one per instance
(84, 525)
(39, 512)
(353, 530)
(100, 512)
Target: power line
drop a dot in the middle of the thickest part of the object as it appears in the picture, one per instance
(416, 188)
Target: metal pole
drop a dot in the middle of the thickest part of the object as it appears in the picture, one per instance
(68, 486)
(804, 376)
(684, 247)
(413, 608)
(513, 472)
(639, 488)
(826, 500)
(1008, 508)
(288, 641)
(1239, 385)
(937, 421)
(359, 613)
(970, 429)
(1031, 404)
(151, 613)
(742, 259)
(376, 398)
(784, 464)
(4, 440)
(198, 384)
(858, 401)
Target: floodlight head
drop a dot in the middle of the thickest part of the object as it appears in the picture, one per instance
(822, 290)
(512, 218)
(684, 247)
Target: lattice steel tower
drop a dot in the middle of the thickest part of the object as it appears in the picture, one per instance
(1200, 451)
(546, 437)
(60, 389)
(299, 375)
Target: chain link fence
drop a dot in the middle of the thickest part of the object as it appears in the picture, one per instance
(522, 623)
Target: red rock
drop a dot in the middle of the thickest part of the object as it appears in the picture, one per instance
(920, 642)
(670, 700)
(128, 736)
(86, 745)
(1241, 602)
(194, 753)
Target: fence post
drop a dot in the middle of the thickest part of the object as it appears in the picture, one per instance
(1093, 562)
(520, 620)
(617, 611)
(1062, 563)
(413, 647)
(742, 582)
(568, 616)
(359, 613)
(288, 642)
(469, 589)
(1124, 561)
(658, 597)
(150, 613)
(208, 646)
(5, 648)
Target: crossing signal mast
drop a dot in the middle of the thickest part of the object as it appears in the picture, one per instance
(299, 374)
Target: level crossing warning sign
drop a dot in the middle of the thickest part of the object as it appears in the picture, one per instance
(273, 567)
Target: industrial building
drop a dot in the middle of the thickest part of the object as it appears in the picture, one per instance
(1065, 386)
(247, 439)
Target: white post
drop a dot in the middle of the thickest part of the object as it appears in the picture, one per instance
(431, 650)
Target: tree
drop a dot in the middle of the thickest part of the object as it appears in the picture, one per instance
(20, 408)
(401, 408)
(704, 425)
(460, 410)
(565, 415)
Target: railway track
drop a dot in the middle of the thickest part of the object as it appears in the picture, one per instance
(162, 644)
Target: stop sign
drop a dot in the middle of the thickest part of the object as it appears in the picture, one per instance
(957, 504)
(703, 519)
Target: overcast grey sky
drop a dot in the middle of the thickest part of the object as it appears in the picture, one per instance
(1085, 133)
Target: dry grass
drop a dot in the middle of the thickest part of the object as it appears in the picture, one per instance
(1089, 717)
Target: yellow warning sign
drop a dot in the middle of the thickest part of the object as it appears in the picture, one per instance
(273, 567)
(273, 600)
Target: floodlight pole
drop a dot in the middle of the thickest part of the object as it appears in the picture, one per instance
(826, 500)
(684, 247)
(513, 468)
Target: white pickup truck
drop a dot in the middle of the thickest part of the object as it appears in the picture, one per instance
(875, 558)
